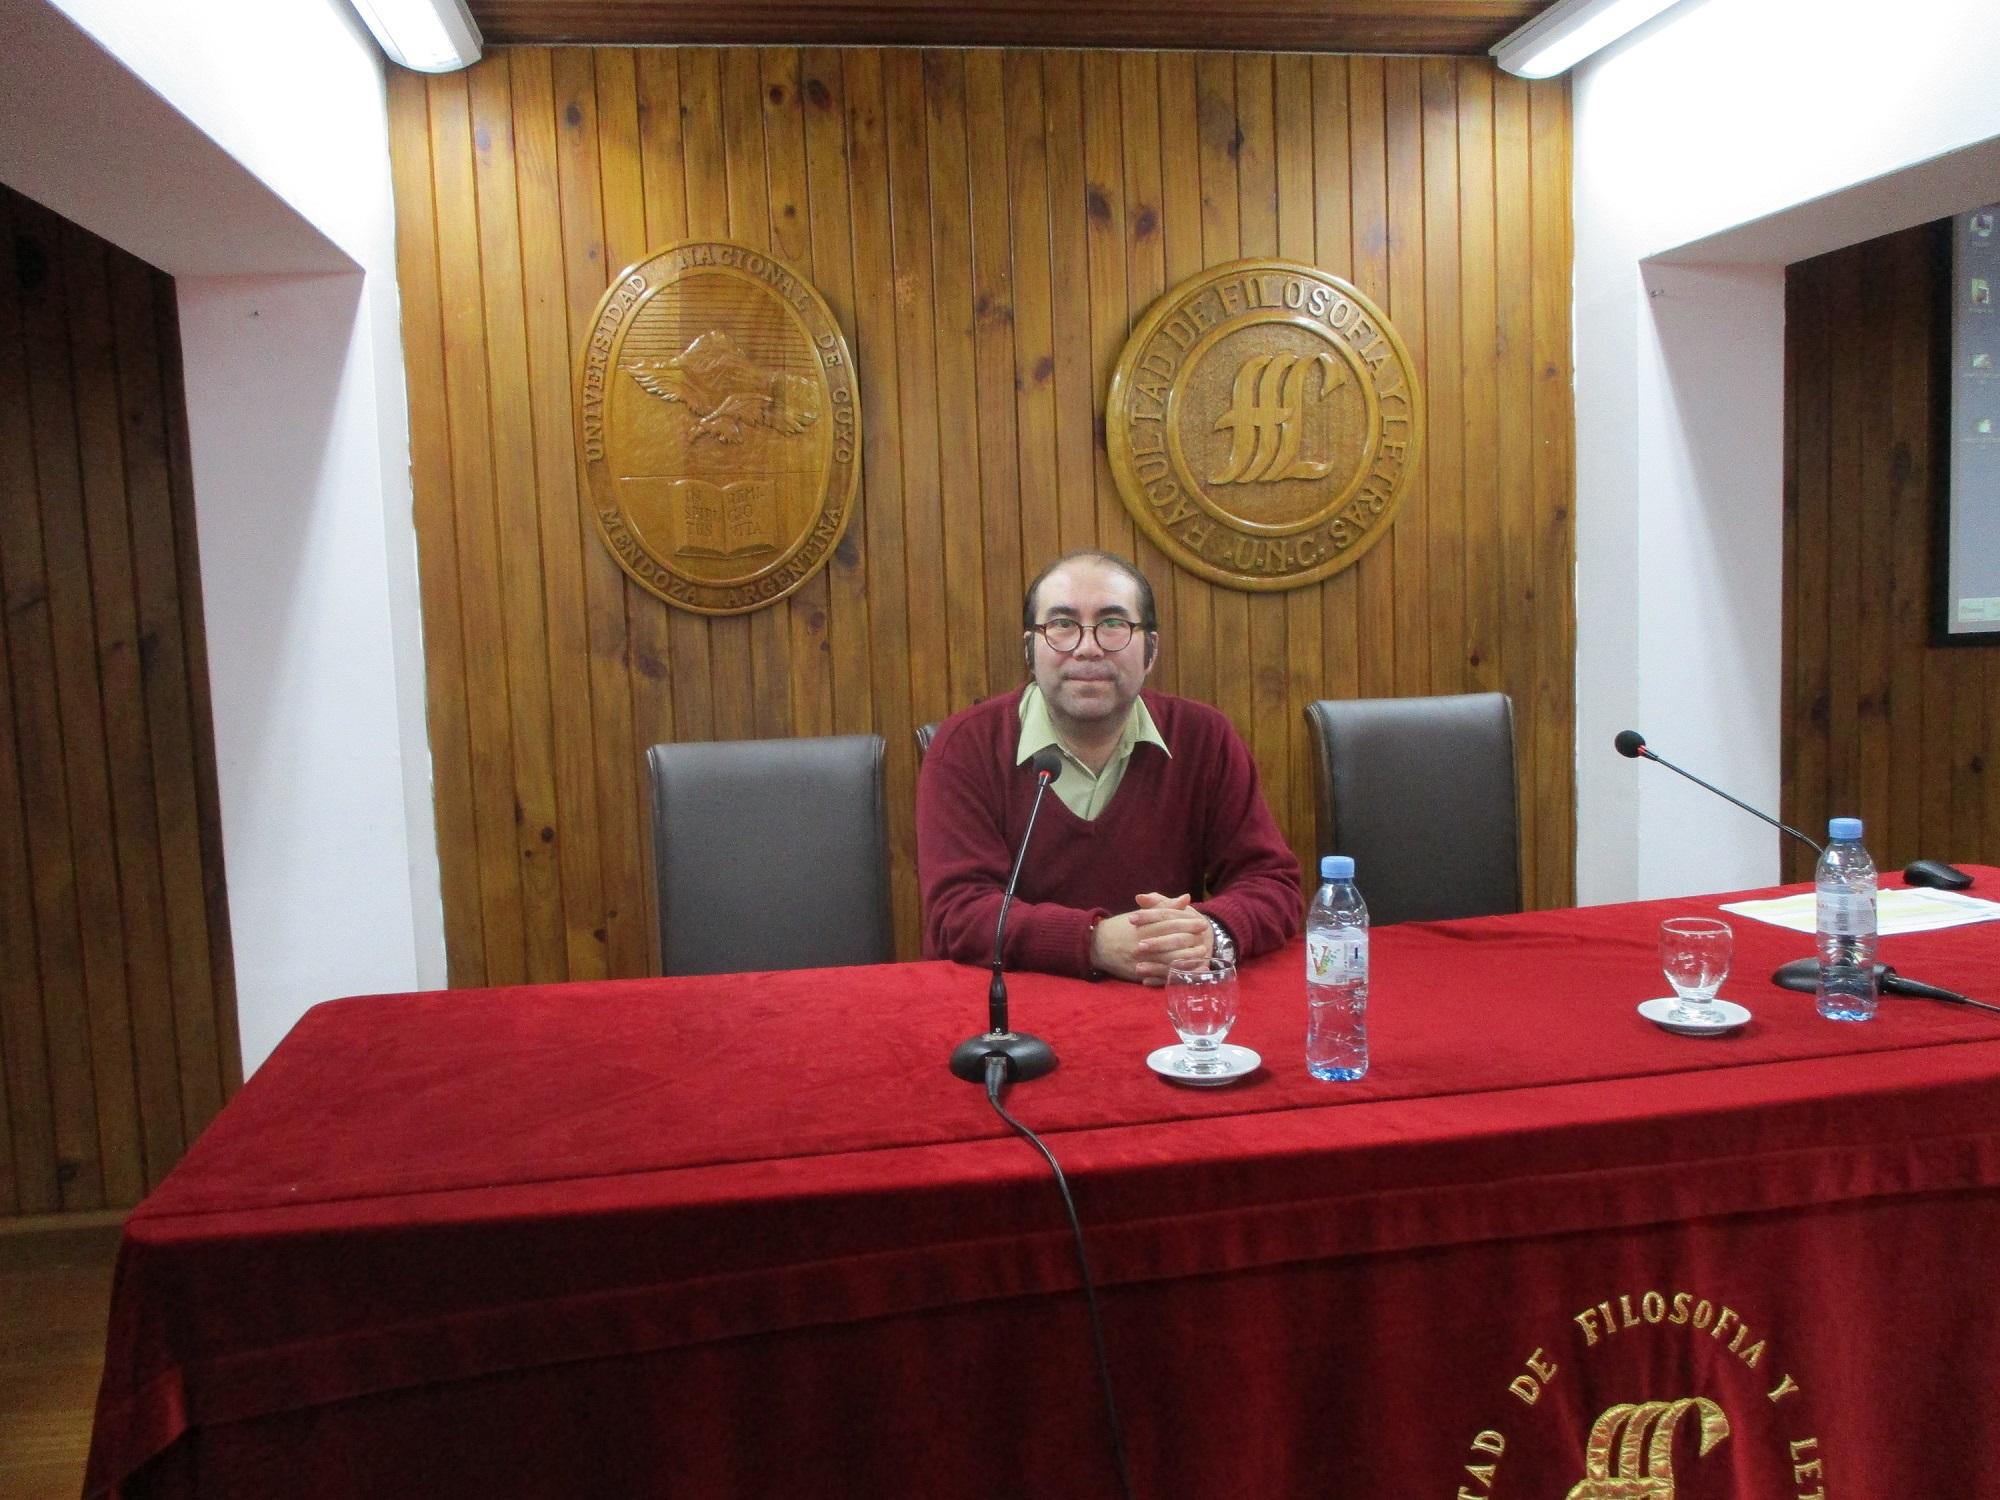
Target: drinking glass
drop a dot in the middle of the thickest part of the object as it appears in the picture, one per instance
(1694, 954)
(1201, 1002)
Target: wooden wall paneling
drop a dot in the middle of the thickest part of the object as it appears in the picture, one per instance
(1555, 469)
(489, 736)
(1809, 336)
(1076, 396)
(1479, 360)
(1033, 324)
(117, 1026)
(1444, 426)
(28, 758)
(1271, 715)
(750, 221)
(1788, 790)
(1402, 101)
(1515, 389)
(929, 647)
(136, 291)
(1333, 243)
(194, 683)
(1000, 500)
(1513, 249)
(146, 1037)
(417, 278)
(1104, 241)
(1220, 147)
(824, 86)
(517, 534)
(1305, 654)
(623, 172)
(1908, 392)
(811, 684)
(625, 922)
(1845, 497)
(1192, 649)
(890, 616)
(1375, 625)
(92, 1062)
(954, 353)
(1145, 282)
(561, 530)
(1874, 600)
(981, 220)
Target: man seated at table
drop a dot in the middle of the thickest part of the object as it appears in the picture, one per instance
(1156, 843)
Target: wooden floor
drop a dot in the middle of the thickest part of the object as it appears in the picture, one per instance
(55, 1288)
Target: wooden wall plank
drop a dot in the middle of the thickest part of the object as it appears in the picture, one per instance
(560, 525)
(987, 227)
(999, 481)
(955, 361)
(1555, 482)
(417, 278)
(28, 758)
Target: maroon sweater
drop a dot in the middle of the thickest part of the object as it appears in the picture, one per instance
(1193, 822)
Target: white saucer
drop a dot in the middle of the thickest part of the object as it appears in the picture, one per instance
(1661, 1014)
(1236, 1062)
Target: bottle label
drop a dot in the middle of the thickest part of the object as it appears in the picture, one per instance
(1337, 958)
(1846, 911)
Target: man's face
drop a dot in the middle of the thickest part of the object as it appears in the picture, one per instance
(1089, 685)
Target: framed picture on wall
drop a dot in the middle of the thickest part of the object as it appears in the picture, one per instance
(1967, 591)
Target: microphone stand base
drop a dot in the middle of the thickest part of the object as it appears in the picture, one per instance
(1027, 1056)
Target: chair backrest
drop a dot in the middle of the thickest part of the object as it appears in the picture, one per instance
(770, 854)
(924, 733)
(1421, 792)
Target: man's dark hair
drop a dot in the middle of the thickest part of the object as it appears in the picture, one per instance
(1148, 620)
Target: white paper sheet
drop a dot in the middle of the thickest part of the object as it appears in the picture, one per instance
(1898, 911)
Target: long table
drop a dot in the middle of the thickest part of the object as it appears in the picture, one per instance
(746, 1235)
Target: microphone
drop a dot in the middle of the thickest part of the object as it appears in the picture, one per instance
(1026, 1056)
(1803, 974)
(1632, 745)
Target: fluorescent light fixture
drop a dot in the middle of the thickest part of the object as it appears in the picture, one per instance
(1566, 33)
(432, 36)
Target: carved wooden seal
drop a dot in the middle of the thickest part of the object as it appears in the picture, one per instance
(719, 422)
(1263, 424)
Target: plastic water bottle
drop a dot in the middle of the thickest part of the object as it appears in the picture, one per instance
(1845, 884)
(1337, 975)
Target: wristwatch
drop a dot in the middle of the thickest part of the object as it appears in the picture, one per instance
(1225, 945)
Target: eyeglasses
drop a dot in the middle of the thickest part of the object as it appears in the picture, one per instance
(1111, 634)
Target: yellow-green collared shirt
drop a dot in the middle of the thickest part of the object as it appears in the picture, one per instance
(1083, 791)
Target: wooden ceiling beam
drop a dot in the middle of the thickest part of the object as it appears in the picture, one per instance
(1421, 26)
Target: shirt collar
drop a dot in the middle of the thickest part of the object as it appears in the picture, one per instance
(1038, 730)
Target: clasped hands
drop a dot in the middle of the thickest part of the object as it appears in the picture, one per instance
(1138, 945)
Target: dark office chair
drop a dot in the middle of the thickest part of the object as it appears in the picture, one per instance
(924, 733)
(1421, 792)
(770, 854)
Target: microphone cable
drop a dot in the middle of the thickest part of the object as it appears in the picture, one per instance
(996, 1078)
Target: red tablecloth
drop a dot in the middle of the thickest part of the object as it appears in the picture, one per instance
(746, 1235)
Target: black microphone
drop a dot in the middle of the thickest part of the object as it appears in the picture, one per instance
(1027, 1056)
(1632, 745)
(1803, 974)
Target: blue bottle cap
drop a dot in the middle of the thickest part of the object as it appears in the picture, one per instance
(1336, 867)
(1843, 828)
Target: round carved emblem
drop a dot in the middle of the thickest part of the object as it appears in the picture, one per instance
(719, 420)
(1263, 424)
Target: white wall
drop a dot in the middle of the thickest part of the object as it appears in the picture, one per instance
(260, 180)
(1712, 147)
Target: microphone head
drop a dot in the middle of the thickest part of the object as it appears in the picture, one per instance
(1629, 743)
(1047, 762)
